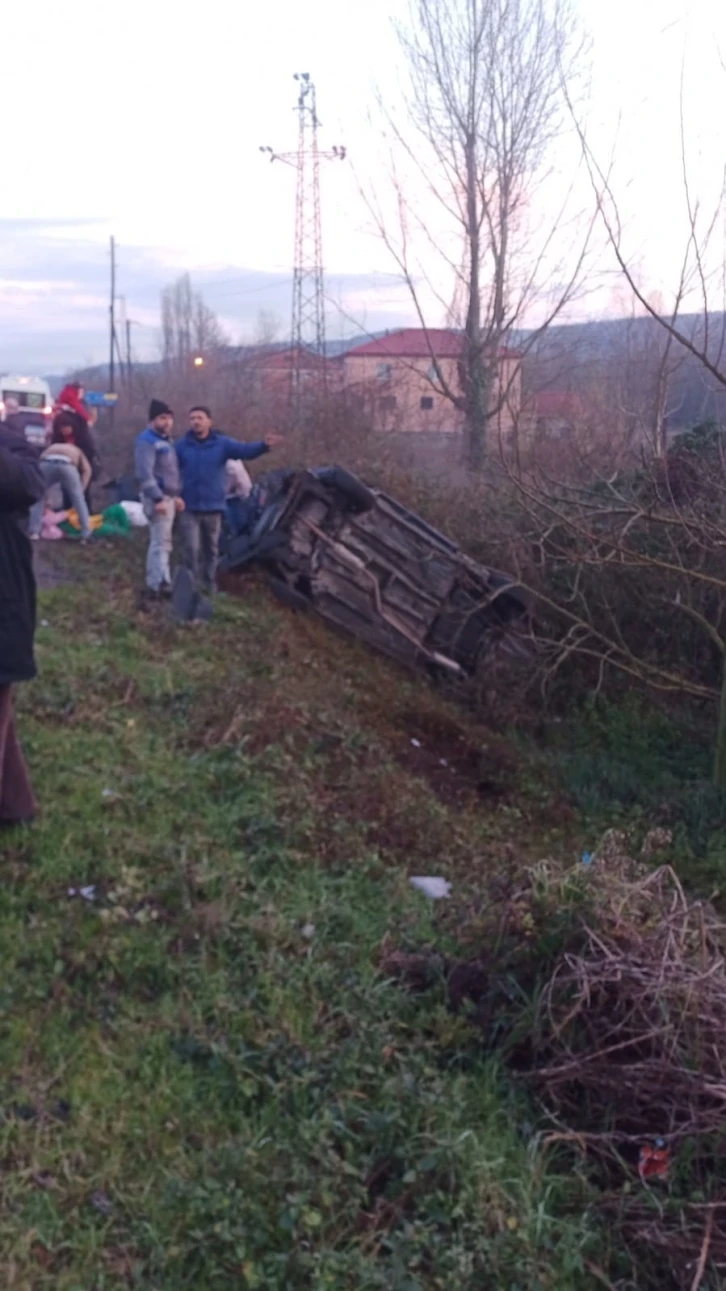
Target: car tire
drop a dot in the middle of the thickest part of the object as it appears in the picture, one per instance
(288, 595)
(351, 488)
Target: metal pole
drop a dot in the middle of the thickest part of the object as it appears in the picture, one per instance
(112, 330)
(307, 330)
(128, 352)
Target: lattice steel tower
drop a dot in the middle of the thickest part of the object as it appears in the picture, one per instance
(307, 331)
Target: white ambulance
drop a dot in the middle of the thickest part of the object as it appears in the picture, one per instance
(29, 401)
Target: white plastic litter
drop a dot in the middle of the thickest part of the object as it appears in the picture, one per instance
(88, 893)
(431, 886)
(135, 513)
(308, 931)
(416, 744)
(110, 795)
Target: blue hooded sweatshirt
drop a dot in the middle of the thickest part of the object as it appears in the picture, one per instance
(202, 462)
(157, 468)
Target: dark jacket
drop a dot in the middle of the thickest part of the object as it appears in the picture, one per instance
(21, 484)
(202, 462)
(157, 469)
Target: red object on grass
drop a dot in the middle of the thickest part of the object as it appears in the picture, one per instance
(654, 1161)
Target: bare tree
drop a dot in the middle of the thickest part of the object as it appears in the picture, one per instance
(483, 108)
(701, 268)
(634, 565)
(189, 327)
(642, 373)
(631, 575)
(268, 328)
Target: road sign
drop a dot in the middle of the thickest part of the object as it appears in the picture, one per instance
(96, 400)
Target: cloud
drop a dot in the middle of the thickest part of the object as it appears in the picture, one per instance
(54, 295)
(25, 224)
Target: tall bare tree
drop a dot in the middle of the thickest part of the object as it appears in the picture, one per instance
(483, 107)
(700, 282)
(268, 328)
(188, 326)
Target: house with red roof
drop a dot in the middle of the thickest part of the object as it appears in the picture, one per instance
(554, 413)
(399, 379)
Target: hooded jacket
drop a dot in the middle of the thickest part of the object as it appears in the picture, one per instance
(202, 464)
(157, 468)
(21, 484)
(70, 400)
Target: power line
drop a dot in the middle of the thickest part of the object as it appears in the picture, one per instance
(246, 291)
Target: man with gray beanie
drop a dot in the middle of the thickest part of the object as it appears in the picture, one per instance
(157, 471)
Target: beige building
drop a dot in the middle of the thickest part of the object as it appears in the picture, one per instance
(395, 379)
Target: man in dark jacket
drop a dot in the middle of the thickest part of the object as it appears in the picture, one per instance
(202, 455)
(21, 484)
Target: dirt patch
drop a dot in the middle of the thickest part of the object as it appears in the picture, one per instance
(218, 719)
(51, 569)
(235, 583)
(457, 763)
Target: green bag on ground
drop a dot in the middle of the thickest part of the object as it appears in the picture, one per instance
(115, 523)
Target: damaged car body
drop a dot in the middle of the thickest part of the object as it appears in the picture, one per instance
(374, 569)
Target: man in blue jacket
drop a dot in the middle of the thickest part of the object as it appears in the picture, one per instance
(202, 455)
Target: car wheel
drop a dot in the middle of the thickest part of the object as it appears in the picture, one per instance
(288, 595)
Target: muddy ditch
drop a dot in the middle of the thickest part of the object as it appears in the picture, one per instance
(456, 762)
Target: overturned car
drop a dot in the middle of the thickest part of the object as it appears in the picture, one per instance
(371, 567)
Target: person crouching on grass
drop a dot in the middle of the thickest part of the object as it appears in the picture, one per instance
(203, 454)
(64, 463)
(157, 471)
(21, 486)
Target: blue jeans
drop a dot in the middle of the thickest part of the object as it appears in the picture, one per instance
(161, 528)
(239, 515)
(201, 530)
(57, 471)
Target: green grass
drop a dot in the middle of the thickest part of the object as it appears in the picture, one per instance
(636, 765)
(205, 1082)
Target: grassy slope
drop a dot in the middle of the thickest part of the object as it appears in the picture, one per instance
(205, 1082)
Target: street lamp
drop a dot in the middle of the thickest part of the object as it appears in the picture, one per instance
(198, 361)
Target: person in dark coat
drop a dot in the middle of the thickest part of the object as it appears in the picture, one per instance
(70, 399)
(21, 484)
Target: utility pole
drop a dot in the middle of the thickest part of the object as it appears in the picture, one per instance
(307, 329)
(129, 370)
(112, 331)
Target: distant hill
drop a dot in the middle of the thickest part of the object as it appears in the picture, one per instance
(97, 377)
(624, 355)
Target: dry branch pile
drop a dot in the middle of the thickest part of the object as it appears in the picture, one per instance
(687, 1240)
(630, 1048)
(632, 1032)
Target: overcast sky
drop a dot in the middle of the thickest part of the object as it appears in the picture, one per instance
(146, 123)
